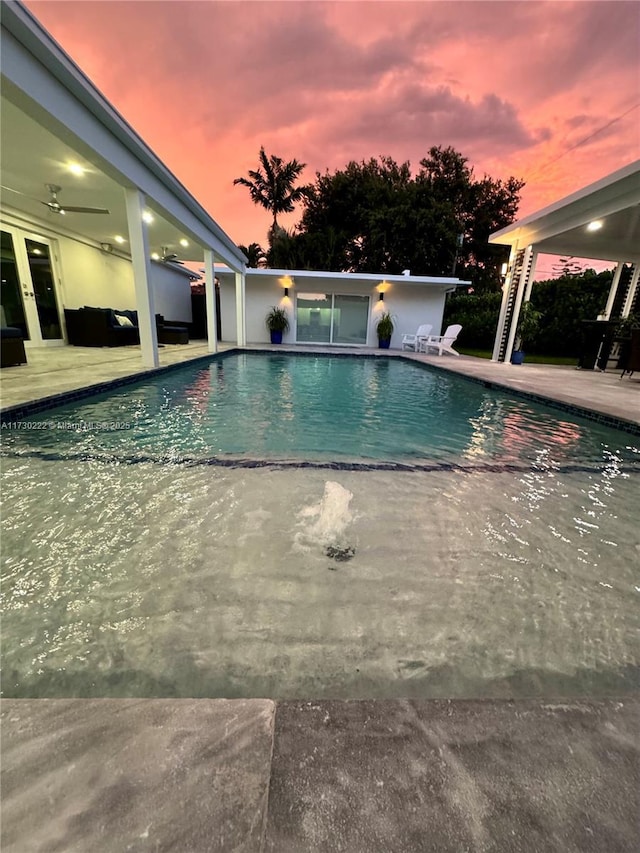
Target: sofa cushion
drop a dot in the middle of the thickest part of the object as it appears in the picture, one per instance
(125, 312)
(123, 320)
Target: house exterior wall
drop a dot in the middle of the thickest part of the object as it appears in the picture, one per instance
(410, 304)
(171, 293)
(86, 275)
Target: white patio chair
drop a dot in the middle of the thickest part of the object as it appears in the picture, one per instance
(413, 341)
(443, 343)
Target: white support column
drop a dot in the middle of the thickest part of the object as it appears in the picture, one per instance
(518, 303)
(139, 243)
(241, 321)
(633, 286)
(613, 290)
(534, 261)
(503, 307)
(210, 298)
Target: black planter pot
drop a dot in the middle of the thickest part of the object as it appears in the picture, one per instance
(276, 337)
(384, 343)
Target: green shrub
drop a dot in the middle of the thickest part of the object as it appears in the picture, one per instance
(564, 302)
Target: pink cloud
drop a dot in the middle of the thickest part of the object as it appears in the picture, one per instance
(513, 86)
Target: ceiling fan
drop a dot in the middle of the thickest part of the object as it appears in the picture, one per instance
(169, 257)
(55, 207)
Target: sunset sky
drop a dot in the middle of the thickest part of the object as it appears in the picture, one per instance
(515, 86)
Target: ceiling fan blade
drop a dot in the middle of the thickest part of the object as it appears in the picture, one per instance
(17, 192)
(84, 209)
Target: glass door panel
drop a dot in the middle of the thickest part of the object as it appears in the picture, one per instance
(12, 313)
(44, 290)
(313, 318)
(350, 315)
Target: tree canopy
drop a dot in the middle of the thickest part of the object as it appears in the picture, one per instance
(376, 216)
(256, 255)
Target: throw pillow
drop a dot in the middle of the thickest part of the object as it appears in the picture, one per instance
(123, 321)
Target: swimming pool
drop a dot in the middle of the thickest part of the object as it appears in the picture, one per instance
(294, 408)
(497, 564)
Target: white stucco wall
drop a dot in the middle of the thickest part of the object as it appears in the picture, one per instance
(172, 293)
(92, 277)
(410, 304)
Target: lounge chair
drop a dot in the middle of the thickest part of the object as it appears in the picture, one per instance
(443, 343)
(413, 341)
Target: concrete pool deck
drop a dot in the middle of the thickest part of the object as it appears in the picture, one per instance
(257, 776)
(367, 776)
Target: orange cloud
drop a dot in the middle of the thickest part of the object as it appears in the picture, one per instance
(515, 87)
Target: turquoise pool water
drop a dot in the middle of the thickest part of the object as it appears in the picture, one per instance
(301, 408)
(456, 543)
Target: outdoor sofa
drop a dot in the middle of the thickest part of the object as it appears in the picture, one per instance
(11, 347)
(108, 327)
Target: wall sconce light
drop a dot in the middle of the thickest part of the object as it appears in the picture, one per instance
(286, 291)
(381, 297)
(106, 247)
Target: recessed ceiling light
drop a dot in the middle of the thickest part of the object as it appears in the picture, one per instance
(76, 169)
(36, 251)
(148, 217)
(184, 242)
(155, 256)
(119, 239)
(596, 225)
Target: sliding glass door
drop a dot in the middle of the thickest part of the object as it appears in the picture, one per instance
(331, 318)
(313, 318)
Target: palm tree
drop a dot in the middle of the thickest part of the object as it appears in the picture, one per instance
(272, 185)
(256, 255)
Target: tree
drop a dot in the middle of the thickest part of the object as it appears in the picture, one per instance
(375, 216)
(256, 255)
(272, 186)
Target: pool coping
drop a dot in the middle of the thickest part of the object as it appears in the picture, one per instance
(20, 411)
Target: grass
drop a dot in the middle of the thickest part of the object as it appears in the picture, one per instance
(570, 361)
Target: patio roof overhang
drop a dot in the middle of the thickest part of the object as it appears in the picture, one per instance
(310, 277)
(562, 227)
(600, 222)
(53, 116)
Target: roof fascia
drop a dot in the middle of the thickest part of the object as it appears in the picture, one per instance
(319, 275)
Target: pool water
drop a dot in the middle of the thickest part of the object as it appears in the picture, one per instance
(167, 579)
(305, 408)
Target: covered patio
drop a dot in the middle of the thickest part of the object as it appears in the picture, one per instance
(90, 215)
(600, 222)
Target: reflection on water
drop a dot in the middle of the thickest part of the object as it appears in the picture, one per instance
(158, 580)
(511, 573)
(306, 408)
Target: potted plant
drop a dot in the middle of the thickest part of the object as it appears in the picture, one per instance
(384, 329)
(528, 325)
(277, 323)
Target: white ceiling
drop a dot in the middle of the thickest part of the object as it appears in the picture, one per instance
(33, 156)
